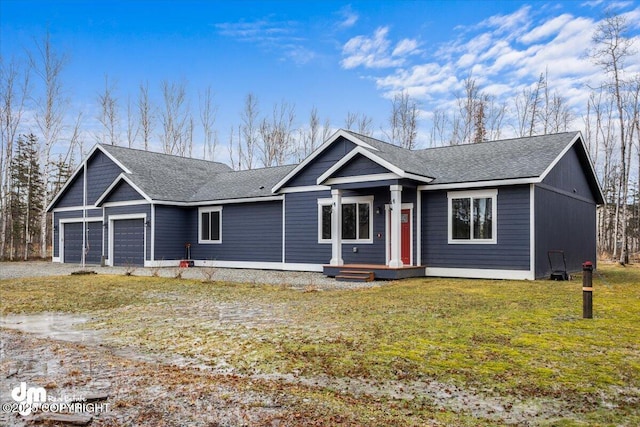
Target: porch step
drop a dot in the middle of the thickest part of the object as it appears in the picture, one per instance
(355, 276)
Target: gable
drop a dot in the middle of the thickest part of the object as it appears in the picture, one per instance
(359, 165)
(72, 193)
(121, 192)
(319, 165)
(568, 175)
(101, 171)
(573, 173)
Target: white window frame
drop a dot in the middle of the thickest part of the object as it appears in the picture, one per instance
(209, 209)
(479, 194)
(347, 201)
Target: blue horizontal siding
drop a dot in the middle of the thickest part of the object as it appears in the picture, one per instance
(309, 174)
(174, 227)
(250, 232)
(569, 175)
(73, 194)
(302, 229)
(566, 224)
(123, 192)
(511, 252)
(360, 165)
(101, 171)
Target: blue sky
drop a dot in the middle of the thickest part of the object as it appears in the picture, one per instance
(338, 56)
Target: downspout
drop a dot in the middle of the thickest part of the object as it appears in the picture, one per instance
(84, 214)
(419, 227)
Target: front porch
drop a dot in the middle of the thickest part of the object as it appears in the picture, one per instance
(375, 271)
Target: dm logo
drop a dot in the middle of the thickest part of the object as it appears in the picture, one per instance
(29, 396)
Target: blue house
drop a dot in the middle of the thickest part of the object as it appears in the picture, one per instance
(488, 210)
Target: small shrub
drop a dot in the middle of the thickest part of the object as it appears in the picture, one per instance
(129, 269)
(207, 274)
(177, 273)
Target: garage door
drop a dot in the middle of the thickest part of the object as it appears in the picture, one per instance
(73, 243)
(128, 242)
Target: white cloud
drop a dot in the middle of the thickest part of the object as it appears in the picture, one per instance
(548, 29)
(513, 24)
(375, 51)
(280, 36)
(349, 17)
(405, 47)
(504, 54)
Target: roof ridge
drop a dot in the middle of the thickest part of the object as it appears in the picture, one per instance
(467, 144)
(118, 147)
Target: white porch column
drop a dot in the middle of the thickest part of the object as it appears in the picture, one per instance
(396, 211)
(336, 228)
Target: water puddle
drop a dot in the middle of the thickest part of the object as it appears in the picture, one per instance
(57, 326)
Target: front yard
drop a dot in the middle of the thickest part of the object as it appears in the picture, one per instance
(414, 352)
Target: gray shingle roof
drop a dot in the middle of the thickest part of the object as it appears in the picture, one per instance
(165, 177)
(496, 160)
(181, 179)
(241, 184)
(487, 161)
(171, 178)
(398, 156)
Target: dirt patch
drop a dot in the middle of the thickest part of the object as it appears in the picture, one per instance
(140, 393)
(49, 350)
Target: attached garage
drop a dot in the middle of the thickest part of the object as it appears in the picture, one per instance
(72, 242)
(127, 247)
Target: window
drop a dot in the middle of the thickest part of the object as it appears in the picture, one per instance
(356, 220)
(472, 216)
(210, 225)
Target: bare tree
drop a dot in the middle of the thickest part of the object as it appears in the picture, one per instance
(326, 130)
(403, 121)
(51, 109)
(249, 131)
(276, 135)
(530, 107)
(612, 48)
(109, 116)
(437, 136)
(479, 121)
(133, 125)
(365, 125)
(350, 121)
(310, 137)
(360, 122)
(478, 118)
(207, 119)
(146, 113)
(14, 92)
(234, 157)
(176, 120)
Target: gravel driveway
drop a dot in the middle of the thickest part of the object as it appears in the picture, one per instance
(297, 279)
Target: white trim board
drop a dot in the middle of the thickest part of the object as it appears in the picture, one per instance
(318, 268)
(478, 273)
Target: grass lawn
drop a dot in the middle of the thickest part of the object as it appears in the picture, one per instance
(520, 344)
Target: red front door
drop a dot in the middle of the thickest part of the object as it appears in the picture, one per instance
(405, 236)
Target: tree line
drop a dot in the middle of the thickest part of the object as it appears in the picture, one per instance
(42, 139)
